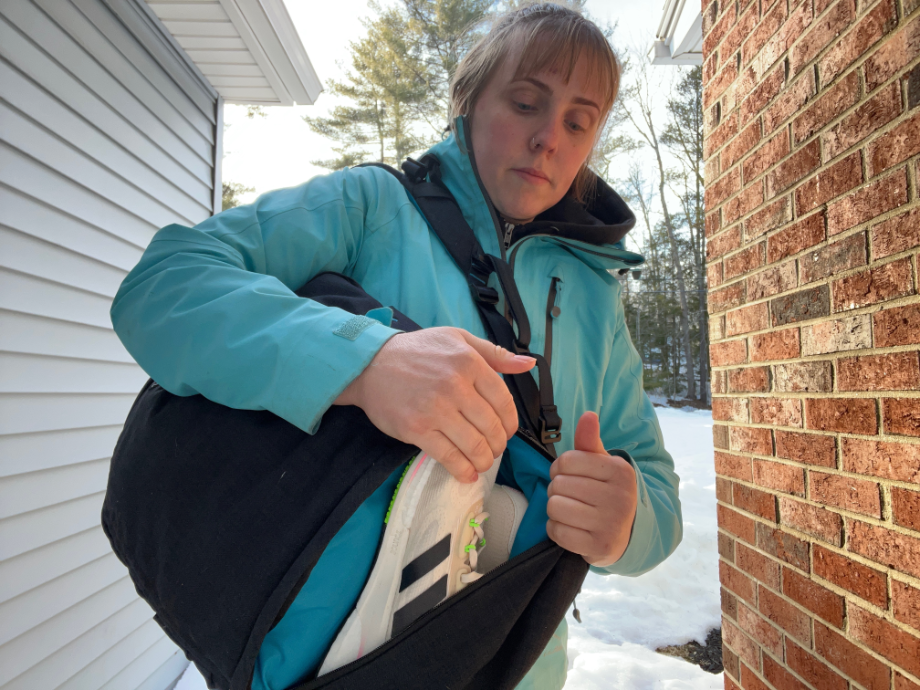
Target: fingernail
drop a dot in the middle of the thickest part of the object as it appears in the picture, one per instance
(524, 359)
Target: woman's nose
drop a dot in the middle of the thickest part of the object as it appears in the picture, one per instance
(547, 136)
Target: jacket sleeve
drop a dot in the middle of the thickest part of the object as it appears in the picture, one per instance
(629, 428)
(211, 309)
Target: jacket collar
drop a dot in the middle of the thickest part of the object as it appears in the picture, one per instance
(598, 227)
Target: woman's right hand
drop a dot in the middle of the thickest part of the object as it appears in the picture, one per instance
(438, 389)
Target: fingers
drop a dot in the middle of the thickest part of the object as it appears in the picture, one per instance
(497, 357)
(442, 449)
(571, 538)
(583, 489)
(481, 414)
(494, 391)
(470, 442)
(604, 468)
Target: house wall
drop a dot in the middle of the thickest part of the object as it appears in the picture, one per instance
(813, 160)
(105, 136)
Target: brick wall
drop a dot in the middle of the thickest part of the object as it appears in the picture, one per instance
(812, 165)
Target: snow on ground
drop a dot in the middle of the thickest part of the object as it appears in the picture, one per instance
(625, 619)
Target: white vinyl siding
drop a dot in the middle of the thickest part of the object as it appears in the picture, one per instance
(106, 135)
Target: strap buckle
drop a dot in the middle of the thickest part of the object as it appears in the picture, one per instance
(550, 434)
(481, 268)
(483, 293)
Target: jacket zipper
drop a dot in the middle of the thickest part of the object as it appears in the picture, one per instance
(552, 311)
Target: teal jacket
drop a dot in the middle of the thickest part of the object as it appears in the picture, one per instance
(210, 310)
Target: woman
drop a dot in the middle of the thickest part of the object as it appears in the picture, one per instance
(210, 310)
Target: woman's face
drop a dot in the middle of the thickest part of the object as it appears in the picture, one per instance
(531, 136)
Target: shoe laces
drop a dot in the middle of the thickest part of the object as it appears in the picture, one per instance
(472, 554)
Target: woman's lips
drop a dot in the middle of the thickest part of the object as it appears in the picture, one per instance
(531, 175)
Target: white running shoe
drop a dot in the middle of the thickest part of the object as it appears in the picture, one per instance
(430, 550)
(506, 508)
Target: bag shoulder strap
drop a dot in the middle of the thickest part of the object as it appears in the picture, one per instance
(536, 407)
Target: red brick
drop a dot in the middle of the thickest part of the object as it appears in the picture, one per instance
(754, 317)
(901, 416)
(812, 449)
(779, 677)
(719, 28)
(733, 466)
(779, 477)
(834, 259)
(726, 547)
(739, 583)
(727, 129)
(740, 205)
(847, 415)
(765, 157)
(812, 596)
(905, 506)
(714, 275)
(758, 566)
(771, 22)
(803, 377)
(882, 637)
(782, 545)
(724, 242)
(823, 33)
(861, 580)
(828, 107)
(849, 493)
(895, 53)
(730, 409)
(744, 261)
(869, 117)
(729, 603)
(749, 380)
(726, 298)
(874, 285)
(718, 382)
(750, 440)
(865, 669)
(801, 306)
(850, 333)
(720, 434)
(889, 460)
(728, 353)
(813, 520)
(772, 216)
(893, 147)
(796, 238)
(789, 102)
(899, 371)
(763, 92)
(723, 490)
(867, 203)
(754, 501)
(713, 223)
(906, 603)
(749, 680)
(816, 672)
(772, 281)
(746, 140)
(798, 166)
(799, 18)
(719, 83)
(830, 182)
(776, 345)
(795, 622)
(746, 648)
(746, 23)
(904, 683)
(897, 234)
(898, 551)
(897, 326)
(776, 411)
(740, 525)
(876, 24)
(730, 684)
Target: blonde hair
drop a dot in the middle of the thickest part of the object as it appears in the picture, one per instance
(550, 38)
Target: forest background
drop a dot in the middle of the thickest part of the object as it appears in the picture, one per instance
(386, 70)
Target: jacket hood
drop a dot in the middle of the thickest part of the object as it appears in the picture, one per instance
(594, 230)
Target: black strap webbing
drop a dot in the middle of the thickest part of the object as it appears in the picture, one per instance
(536, 408)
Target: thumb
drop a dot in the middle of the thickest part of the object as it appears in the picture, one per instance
(497, 357)
(588, 434)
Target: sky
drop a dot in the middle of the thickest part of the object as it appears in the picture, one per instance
(275, 151)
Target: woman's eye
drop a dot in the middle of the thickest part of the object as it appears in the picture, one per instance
(524, 107)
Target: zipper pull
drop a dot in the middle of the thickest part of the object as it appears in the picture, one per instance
(509, 230)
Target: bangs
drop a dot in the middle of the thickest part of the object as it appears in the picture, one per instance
(550, 47)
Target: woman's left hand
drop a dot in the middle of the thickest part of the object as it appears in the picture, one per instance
(592, 498)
